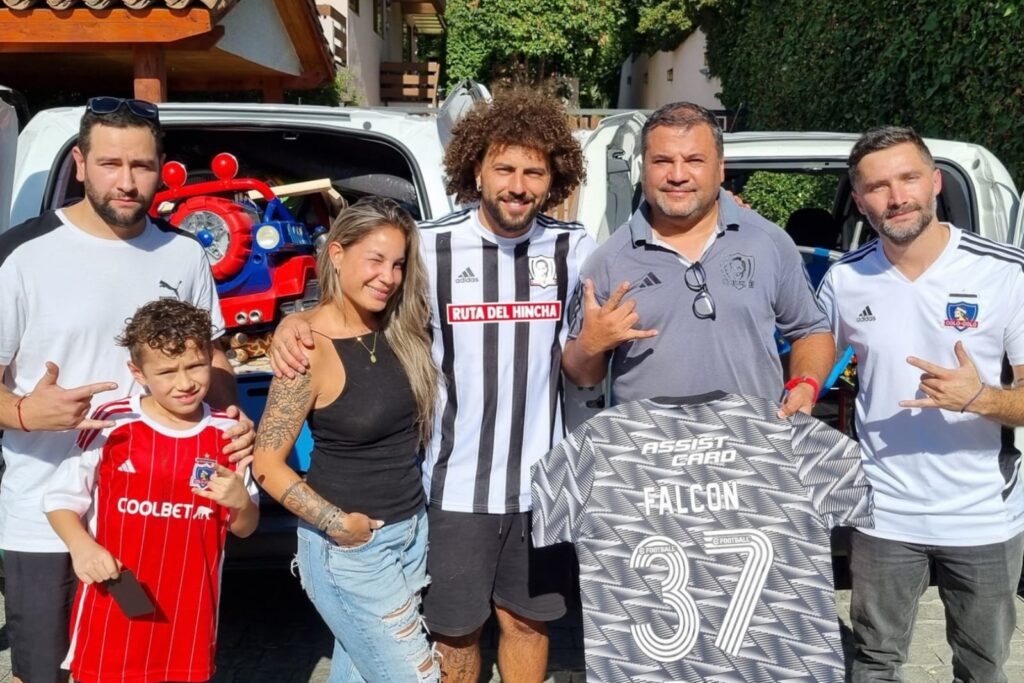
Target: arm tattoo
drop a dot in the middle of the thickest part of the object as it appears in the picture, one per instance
(302, 501)
(288, 491)
(287, 405)
(336, 526)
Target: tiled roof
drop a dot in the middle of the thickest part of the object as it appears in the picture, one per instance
(215, 5)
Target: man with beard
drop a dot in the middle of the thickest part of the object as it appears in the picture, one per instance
(68, 281)
(501, 274)
(942, 462)
(708, 285)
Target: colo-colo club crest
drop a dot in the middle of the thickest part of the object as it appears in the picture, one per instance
(961, 315)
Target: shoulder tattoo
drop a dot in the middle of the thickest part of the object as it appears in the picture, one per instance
(287, 404)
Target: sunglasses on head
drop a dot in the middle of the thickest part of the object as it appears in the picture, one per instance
(109, 105)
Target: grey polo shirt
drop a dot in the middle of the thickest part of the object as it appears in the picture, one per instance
(758, 282)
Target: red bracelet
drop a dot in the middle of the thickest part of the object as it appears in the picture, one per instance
(21, 420)
(804, 379)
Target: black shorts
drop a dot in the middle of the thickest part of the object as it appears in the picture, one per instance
(40, 590)
(474, 559)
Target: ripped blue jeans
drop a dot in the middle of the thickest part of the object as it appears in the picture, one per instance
(369, 596)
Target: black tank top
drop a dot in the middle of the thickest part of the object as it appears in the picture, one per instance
(365, 456)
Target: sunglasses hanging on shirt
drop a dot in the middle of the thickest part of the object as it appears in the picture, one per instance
(696, 280)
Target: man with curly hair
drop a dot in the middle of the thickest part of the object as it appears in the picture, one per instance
(501, 276)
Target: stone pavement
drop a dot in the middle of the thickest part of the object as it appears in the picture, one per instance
(270, 634)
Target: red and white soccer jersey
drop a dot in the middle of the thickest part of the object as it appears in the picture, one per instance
(133, 484)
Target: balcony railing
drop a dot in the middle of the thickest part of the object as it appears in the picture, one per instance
(409, 82)
(336, 31)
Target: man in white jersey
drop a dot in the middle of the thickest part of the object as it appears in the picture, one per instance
(501, 276)
(932, 309)
(68, 281)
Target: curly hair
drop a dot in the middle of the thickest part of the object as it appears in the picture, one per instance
(167, 325)
(518, 116)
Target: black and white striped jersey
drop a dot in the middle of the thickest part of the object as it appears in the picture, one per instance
(499, 325)
(702, 529)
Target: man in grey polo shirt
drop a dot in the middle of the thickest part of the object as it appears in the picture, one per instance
(707, 282)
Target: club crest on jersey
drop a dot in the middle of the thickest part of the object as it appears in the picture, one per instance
(542, 271)
(202, 471)
(961, 315)
(738, 271)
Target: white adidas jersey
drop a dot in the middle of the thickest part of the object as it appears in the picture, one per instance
(940, 477)
(499, 325)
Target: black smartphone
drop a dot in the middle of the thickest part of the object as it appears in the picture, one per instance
(129, 595)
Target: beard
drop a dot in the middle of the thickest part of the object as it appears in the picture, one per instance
(119, 218)
(698, 204)
(906, 234)
(506, 223)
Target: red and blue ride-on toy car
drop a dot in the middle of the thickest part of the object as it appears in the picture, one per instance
(263, 260)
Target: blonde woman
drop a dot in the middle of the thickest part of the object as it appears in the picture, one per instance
(369, 398)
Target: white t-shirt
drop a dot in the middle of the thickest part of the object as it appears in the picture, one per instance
(65, 296)
(940, 477)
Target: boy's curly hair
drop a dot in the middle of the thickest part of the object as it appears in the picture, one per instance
(167, 325)
(518, 116)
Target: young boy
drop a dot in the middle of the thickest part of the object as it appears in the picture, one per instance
(157, 499)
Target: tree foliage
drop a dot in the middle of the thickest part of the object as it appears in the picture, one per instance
(776, 195)
(952, 69)
(664, 24)
(533, 41)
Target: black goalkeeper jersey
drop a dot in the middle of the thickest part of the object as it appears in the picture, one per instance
(702, 528)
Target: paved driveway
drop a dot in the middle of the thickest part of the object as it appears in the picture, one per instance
(271, 634)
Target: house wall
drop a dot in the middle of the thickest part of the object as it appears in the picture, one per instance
(644, 80)
(393, 32)
(367, 49)
(254, 31)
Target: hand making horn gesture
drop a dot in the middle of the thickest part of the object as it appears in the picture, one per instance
(50, 407)
(948, 388)
(605, 327)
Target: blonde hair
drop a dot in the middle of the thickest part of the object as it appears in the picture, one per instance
(405, 319)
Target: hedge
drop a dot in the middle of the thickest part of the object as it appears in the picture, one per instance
(951, 69)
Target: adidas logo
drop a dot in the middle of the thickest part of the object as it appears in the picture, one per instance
(127, 466)
(466, 276)
(866, 316)
(649, 280)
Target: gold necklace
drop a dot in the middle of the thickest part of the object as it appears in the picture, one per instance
(371, 351)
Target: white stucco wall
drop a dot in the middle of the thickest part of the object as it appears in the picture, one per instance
(366, 49)
(254, 31)
(688, 83)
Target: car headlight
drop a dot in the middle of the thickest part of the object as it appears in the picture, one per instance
(268, 237)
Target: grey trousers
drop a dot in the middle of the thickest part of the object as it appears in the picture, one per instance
(977, 585)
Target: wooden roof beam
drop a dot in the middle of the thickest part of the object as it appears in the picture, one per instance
(202, 42)
(56, 27)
